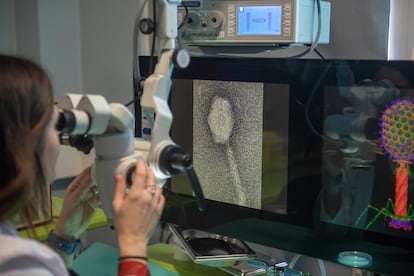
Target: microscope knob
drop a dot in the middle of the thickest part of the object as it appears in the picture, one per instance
(181, 58)
(146, 26)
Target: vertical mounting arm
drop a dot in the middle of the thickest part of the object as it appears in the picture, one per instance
(165, 157)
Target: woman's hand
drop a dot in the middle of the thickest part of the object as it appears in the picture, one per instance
(137, 213)
(81, 200)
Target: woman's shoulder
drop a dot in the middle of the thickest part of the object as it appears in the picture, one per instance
(17, 253)
(16, 245)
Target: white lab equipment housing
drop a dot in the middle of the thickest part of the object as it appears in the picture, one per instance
(254, 23)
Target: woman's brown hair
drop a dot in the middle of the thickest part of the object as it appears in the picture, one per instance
(26, 106)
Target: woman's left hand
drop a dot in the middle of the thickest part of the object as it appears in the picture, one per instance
(81, 200)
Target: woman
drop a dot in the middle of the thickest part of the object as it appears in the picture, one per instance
(29, 148)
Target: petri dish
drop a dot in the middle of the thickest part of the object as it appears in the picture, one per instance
(355, 258)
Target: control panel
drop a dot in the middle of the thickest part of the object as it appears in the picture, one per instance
(252, 22)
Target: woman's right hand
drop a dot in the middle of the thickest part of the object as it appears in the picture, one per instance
(137, 213)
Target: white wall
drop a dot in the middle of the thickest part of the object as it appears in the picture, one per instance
(359, 30)
(401, 43)
(60, 54)
(26, 29)
(60, 51)
(7, 27)
(106, 35)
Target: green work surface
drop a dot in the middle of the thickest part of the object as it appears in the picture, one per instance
(102, 259)
(98, 220)
(163, 254)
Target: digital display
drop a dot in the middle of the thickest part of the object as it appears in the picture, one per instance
(271, 177)
(259, 20)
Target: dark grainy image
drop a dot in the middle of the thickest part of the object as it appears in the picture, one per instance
(227, 140)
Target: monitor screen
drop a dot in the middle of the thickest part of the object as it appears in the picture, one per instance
(259, 20)
(309, 156)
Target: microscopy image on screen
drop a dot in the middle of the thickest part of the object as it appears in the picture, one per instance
(237, 134)
(227, 140)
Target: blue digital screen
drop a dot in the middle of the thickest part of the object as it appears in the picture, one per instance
(259, 20)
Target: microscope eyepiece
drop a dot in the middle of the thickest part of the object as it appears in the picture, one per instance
(74, 122)
(66, 121)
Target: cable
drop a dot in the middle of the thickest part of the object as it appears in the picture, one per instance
(185, 16)
(136, 66)
(318, 33)
(136, 72)
(322, 267)
(318, 53)
(154, 35)
(206, 54)
(295, 259)
(180, 43)
(137, 96)
(308, 104)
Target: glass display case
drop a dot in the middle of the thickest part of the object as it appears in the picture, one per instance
(309, 156)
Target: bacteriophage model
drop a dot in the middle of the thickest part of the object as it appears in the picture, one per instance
(397, 140)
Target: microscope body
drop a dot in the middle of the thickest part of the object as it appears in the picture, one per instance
(88, 121)
(109, 128)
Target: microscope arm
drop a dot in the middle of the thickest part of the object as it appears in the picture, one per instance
(155, 107)
(163, 156)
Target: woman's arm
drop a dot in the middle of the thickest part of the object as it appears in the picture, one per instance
(78, 207)
(136, 214)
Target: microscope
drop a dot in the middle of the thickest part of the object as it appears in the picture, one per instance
(87, 121)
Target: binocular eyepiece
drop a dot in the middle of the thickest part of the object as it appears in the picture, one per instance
(73, 126)
(74, 122)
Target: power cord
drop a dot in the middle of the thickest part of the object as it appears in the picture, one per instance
(295, 259)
